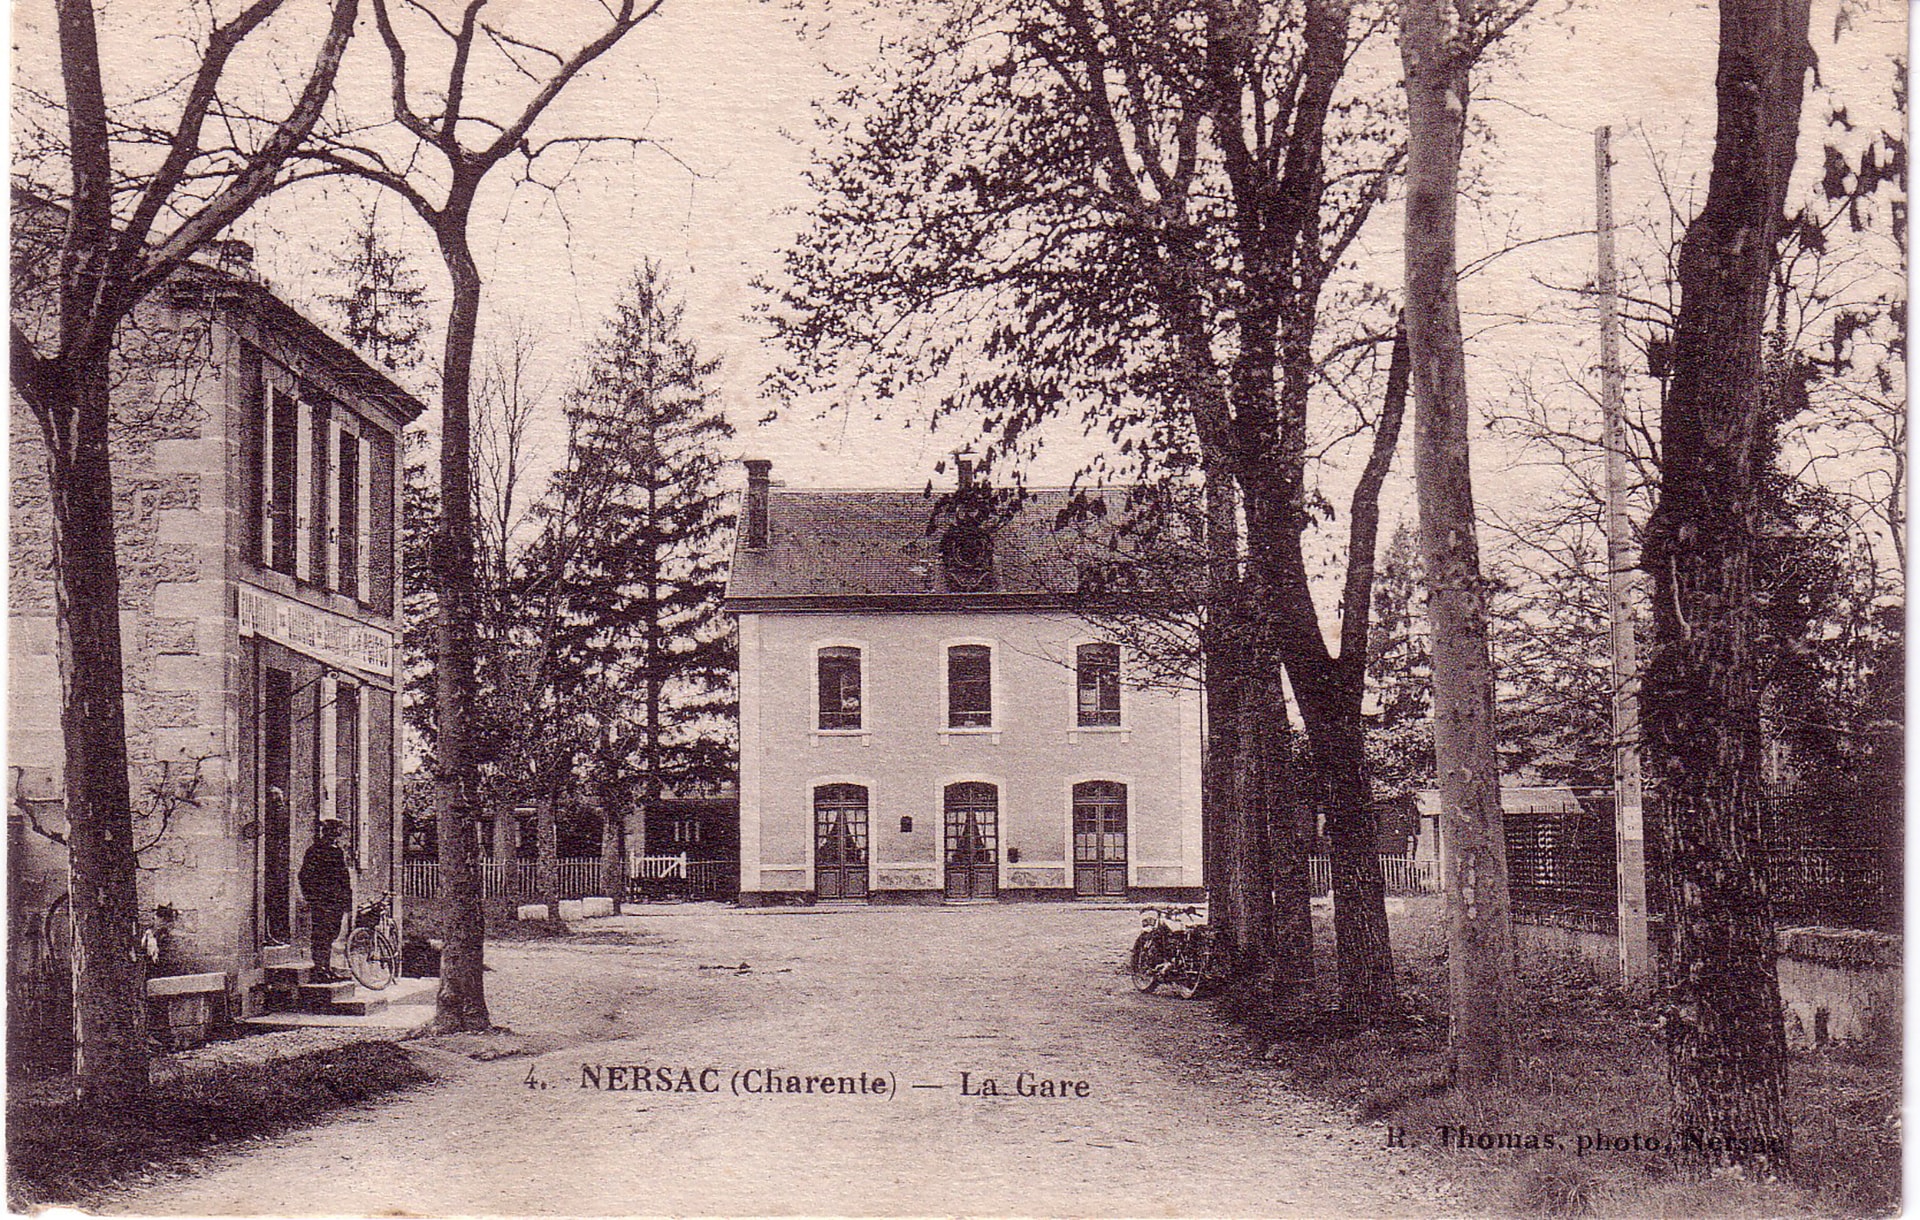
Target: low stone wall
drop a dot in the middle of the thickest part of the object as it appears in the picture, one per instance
(1839, 985)
(1836, 984)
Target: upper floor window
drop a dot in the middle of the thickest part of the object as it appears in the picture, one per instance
(969, 686)
(1097, 678)
(323, 489)
(839, 687)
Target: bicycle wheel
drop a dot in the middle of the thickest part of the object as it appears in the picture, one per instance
(57, 930)
(386, 948)
(364, 961)
(1149, 956)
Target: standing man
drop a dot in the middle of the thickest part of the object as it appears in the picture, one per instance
(327, 885)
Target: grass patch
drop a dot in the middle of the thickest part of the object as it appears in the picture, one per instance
(59, 1151)
(1589, 1069)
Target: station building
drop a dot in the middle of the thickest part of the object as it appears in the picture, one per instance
(927, 714)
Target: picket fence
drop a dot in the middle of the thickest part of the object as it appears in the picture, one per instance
(580, 878)
(1402, 874)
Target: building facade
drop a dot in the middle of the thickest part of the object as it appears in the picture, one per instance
(258, 515)
(926, 715)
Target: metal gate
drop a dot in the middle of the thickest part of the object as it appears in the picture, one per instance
(973, 840)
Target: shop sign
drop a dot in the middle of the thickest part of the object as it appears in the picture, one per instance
(323, 635)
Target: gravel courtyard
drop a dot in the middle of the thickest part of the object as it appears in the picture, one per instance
(1172, 1121)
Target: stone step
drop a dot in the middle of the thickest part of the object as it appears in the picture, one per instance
(323, 995)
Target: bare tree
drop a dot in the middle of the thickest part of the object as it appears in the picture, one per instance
(1726, 1049)
(1439, 42)
(1145, 212)
(126, 232)
(447, 153)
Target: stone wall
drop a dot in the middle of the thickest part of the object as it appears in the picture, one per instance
(171, 463)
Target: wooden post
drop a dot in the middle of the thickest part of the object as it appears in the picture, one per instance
(1629, 834)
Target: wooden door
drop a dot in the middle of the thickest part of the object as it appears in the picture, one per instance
(276, 805)
(840, 841)
(1100, 839)
(972, 841)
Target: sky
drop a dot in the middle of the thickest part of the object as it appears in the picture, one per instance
(722, 90)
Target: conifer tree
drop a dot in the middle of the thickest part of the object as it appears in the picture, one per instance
(382, 302)
(627, 571)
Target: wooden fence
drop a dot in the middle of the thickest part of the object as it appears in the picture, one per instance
(1402, 874)
(583, 878)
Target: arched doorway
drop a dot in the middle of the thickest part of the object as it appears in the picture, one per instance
(972, 840)
(1100, 839)
(840, 841)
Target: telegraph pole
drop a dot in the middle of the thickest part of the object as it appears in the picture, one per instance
(1629, 832)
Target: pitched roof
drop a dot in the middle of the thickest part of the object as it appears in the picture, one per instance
(883, 548)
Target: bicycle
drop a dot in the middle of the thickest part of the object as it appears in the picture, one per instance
(373, 947)
(1175, 946)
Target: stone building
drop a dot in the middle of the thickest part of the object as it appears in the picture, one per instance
(258, 512)
(926, 715)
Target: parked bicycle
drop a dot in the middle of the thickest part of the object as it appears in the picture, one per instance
(373, 947)
(1176, 947)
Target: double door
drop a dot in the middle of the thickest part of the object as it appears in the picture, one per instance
(972, 841)
(1100, 840)
(840, 841)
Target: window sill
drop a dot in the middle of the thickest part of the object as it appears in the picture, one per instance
(863, 736)
(992, 734)
(1123, 731)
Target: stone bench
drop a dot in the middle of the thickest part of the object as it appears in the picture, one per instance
(182, 1009)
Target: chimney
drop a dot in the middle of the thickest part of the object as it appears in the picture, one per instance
(759, 479)
(965, 461)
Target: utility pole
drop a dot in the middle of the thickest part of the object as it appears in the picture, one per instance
(1629, 833)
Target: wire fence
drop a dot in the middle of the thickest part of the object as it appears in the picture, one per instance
(1561, 867)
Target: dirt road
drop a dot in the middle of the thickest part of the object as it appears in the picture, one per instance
(1157, 1116)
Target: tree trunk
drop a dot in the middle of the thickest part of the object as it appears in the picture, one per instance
(1726, 1050)
(613, 848)
(109, 1010)
(1251, 887)
(504, 825)
(1290, 973)
(547, 858)
(1329, 700)
(1359, 892)
(1480, 934)
(461, 1003)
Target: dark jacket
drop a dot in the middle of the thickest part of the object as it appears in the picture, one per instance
(323, 876)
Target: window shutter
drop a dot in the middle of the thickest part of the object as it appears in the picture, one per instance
(329, 576)
(303, 491)
(329, 744)
(363, 521)
(271, 406)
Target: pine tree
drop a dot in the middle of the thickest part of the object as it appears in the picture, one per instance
(1400, 672)
(382, 308)
(629, 561)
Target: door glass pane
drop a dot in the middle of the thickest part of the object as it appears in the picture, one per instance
(972, 823)
(840, 825)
